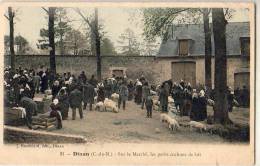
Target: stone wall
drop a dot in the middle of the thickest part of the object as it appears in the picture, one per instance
(155, 69)
(21, 135)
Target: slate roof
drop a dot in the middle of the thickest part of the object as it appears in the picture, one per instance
(195, 33)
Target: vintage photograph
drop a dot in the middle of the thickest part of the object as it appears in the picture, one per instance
(172, 75)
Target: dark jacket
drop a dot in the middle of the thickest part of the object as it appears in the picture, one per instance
(123, 92)
(202, 108)
(75, 98)
(93, 82)
(29, 105)
(64, 101)
(149, 101)
(145, 91)
(194, 114)
(101, 94)
(88, 93)
(163, 97)
(55, 89)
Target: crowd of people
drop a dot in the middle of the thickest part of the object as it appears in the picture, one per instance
(69, 91)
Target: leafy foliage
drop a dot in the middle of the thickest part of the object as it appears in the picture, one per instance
(129, 43)
(61, 28)
(157, 20)
(21, 44)
(77, 43)
(107, 47)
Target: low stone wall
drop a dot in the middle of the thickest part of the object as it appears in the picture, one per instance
(18, 135)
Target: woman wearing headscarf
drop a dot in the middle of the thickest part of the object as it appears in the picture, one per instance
(194, 114)
(63, 98)
(202, 106)
(44, 82)
(187, 100)
(55, 112)
(55, 88)
(130, 87)
(101, 93)
(138, 92)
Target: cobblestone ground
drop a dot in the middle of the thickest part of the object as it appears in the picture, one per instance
(131, 126)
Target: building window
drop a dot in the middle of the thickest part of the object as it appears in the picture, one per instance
(183, 47)
(245, 46)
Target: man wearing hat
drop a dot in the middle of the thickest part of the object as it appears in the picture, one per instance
(75, 100)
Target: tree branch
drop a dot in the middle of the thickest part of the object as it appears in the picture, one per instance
(45, 10)
(205, 11)
(6, 17)
(87, 21)
(84, 18)
(168, 17)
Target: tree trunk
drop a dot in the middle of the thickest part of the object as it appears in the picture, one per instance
(208, 50)
(61, 45)
(11, 24)
(219, 30)
(97, 43)
(51, 40)
(61, 41)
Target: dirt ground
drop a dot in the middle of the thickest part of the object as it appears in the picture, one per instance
(132, 126)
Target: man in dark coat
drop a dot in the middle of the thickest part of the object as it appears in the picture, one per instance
(194, 114)
(82, 77)
(51, 77)
(145, 93)
(75, 100)
(149, 106)
(93, 81)
(30, 108)
(174, 94)
(123, 95)
(163, 97)
(16, 92)
(88, 95)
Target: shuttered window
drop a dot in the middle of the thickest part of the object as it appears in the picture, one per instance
(183, 47)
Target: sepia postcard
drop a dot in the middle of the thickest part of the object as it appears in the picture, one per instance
(140, 83)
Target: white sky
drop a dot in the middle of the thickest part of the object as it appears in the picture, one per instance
(116, 20)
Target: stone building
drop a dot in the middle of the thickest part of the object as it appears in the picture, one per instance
(184, 48)
(179, 57)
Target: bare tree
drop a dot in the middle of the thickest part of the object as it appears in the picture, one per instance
(10, 17)
(95, 30)
(208, 48)
(97, 46)
(219, 30)
(51, 13)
